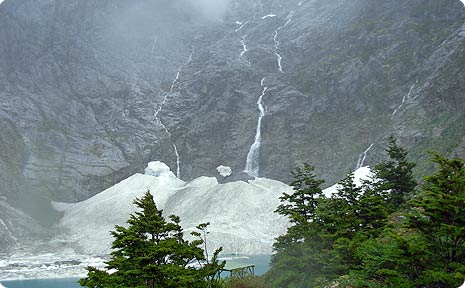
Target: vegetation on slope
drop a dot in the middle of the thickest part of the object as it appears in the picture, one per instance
(387, 233)
(151, 252)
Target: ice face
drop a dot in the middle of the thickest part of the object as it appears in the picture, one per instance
(157, 169)
(241, 214)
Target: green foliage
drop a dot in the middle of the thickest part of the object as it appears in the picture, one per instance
(382, 234)
(439, 217)
(151, 252)
(394, 177)
(300, 206)
(302, 252)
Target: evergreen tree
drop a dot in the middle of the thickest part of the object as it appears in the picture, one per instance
(340, 214)
(394, 177)
(426, 248)
(304, 256)
(300, 206)
(439, 217)
(151, 252)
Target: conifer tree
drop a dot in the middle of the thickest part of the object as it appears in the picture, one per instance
(300, 206)
(304, 257)
(151, 252)
(394, 177)
(439, 216)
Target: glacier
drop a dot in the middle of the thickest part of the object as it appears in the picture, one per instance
(241, 214)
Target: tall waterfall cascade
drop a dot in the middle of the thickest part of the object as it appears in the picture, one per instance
(252, 164)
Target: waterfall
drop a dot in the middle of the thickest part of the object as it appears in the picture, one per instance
(277, 43)
(241, 25)
(252, 165)
(403, 100)
(363, 157)
(244, 46)
(165, 98)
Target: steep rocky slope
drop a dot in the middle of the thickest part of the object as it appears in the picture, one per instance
(16, 227)
(93, 90)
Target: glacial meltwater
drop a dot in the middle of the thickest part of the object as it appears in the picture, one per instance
(42, 283)
(261, 262)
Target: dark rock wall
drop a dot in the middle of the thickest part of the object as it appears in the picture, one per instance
(80, 82)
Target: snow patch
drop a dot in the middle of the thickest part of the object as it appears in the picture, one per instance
(224, 171)
(360, 175)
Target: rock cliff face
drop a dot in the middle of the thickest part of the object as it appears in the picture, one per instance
(93, 90)
(16, 227)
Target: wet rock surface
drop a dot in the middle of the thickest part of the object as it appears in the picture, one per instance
(80, 82)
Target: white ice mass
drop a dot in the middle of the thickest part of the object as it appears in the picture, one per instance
(224, 171)
(241, 214)
(361, 174)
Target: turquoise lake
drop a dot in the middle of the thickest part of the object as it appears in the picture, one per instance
(42, 283)
(261, 262)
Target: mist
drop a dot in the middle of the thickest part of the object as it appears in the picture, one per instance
(210, 9)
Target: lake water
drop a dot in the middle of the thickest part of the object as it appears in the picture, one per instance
(261, 262)
(42, 283)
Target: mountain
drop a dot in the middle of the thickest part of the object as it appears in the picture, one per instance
(91, 91)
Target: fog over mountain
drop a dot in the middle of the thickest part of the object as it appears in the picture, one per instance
(211, 9)
(93, 90)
